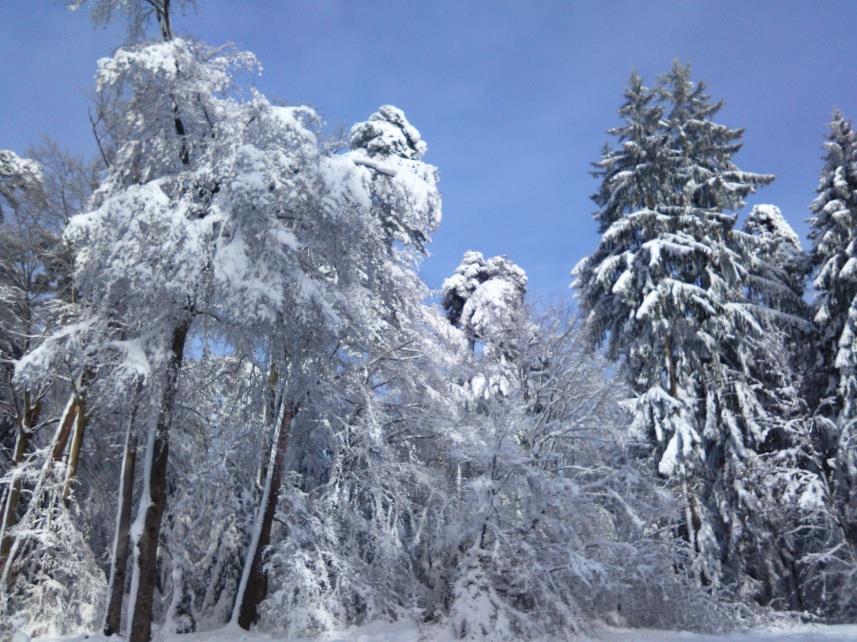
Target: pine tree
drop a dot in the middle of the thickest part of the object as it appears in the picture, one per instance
(834, 252)
(833, 232)
(636, 171)
(665, 290)
(778, 267)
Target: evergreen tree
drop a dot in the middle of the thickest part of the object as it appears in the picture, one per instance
(778, 268)
(833, 232)
(666, 290)
(636, 171)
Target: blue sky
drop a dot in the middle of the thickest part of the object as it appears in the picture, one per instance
(513, 97)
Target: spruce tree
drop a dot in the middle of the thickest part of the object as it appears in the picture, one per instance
(778, 266)
(665, 291)
(833, 233)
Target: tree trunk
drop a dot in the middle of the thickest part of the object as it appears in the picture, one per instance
(74, 452)
(254, 583)
(10, 510)
(147, 526)
(269, 416)
(119, 561)
(671, 369)
(64, 429)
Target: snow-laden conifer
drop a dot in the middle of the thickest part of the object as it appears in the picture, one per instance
(834, 259)
(666, 291)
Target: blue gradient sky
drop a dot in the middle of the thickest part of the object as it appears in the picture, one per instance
(513, 97)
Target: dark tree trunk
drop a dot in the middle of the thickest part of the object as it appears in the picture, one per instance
(164, 21)
(254, 582)
(119, 563)
(154, 499)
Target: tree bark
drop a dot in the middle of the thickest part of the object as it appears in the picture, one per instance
(147, 527)
(164, 21)
(74, 452)
(671, 369)
(64, 429)
(269, 416)
(119, 561)
(254, 582)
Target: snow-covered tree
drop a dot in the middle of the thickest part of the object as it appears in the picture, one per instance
(485, 298)
(637, 170)
(833, 250)
(555, 519)
(778, 267)
(834, 259)
(22, 285)
(372, 382)
(44, 549)
(666, 291)
(221, 327)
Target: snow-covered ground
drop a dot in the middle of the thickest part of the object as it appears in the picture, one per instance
(408, 633)
(802, 633)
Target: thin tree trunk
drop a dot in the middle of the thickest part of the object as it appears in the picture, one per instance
(254, 582)
(671, 369)
(74, 452)
(163, 14)
(269, 416)
(147, 526)
(10, 510)
(119, 561)
(67, 420)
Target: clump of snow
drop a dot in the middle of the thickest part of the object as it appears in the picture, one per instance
(388, 132)
(768, 218)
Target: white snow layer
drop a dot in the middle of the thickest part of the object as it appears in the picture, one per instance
(405, 632)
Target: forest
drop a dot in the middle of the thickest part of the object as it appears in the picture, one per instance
(229, 401)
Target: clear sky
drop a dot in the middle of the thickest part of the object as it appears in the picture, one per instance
(513, 97)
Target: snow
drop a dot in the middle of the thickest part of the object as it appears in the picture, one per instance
(345, 184)
(388, 132)
(405, 632)
(235, 269)
(491, 305)
(668, 462)
(648, 305)
(801, 633)
(135, 362)
(17, 172)
(770, 217)
(163, 60)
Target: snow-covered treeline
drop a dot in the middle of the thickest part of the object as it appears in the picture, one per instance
(742, 391)
(227, 398)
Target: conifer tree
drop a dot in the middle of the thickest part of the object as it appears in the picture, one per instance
(665, 291)
(778, 266)
(833, 233)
